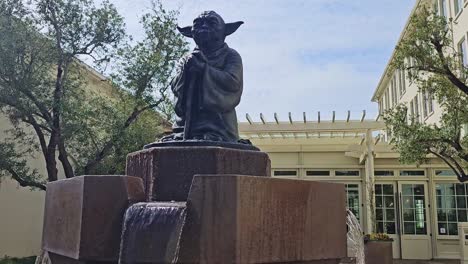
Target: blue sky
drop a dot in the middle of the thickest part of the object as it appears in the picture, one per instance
(302, 55)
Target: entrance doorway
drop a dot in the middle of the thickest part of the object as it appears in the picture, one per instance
(402, 211)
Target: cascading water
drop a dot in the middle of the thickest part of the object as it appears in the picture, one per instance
(355, 238)
(151, 232)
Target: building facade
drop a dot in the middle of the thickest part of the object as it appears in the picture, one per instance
(446, 197)
(419, 206)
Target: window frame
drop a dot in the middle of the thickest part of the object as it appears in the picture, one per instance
(458, 6)
(384, 208)
(360, 201)
(330, 172)
(455, 207)
(285, 170)
(416, 107)
(463, 50)
(347, 170)
(402, 78)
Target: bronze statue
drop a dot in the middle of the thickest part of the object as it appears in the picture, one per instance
(208, 85)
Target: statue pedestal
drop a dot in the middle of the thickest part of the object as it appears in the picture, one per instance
(167, 172)
(240, 219)
(83, 216)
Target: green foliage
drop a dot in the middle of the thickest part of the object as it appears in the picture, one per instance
(377, 237)
(9, 260)
(56, 107)
(426, 53)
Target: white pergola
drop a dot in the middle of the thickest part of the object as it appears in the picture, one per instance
(358, 129)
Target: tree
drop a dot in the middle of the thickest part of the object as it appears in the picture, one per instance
(427, 50)
(426, 53)
(43, 89)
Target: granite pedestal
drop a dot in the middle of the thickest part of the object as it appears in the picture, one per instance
(167, 172)
(83, 216)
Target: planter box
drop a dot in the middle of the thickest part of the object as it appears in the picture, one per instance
(379, 252)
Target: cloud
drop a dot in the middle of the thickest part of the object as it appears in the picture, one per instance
(302, 55)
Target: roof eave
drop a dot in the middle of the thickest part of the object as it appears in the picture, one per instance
(387, 68)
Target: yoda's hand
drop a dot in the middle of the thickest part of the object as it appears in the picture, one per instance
(196, 65)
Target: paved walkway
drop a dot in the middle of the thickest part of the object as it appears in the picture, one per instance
(426, 261)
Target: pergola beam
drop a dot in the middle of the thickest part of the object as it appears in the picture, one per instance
(249, 119)
(276, 118)
(352, 126)
(262, 118)
(363, 115)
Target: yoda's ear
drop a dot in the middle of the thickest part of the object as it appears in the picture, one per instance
(232, 27)
(186, 31)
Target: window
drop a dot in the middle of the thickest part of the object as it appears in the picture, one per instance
(443, 8)
(394, 90)
(412, 117)
(385, 208)
(414, 209)
(285, 173)
(451, 207)
(387, 99)
(458, 6)
(416, 108)
(412, 173)
(318, 173)
(383, 173)
(430, 102)
(444, 173)
(426, 103)
(381, 110)
(346, 173)
(352, 199)
(463, 52)
(402, 82)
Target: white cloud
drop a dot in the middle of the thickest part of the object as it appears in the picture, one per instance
(302, 55)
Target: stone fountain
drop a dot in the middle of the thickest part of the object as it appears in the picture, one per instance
(199, 195)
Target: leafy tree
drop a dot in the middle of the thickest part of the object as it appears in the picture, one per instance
(45, 88)
(427, 49)
(427, 54)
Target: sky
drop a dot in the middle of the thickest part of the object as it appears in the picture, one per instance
(301, 55)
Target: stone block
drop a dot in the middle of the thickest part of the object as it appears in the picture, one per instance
(83, 215)
(167, 172)
(242, 219)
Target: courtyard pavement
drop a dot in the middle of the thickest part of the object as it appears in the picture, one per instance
(426, 261)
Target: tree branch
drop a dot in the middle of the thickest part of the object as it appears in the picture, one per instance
(25, 183)
(447, 71)
(110, 144)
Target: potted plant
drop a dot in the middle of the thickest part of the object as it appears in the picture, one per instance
(378, 248)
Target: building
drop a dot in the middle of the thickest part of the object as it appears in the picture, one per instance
(418, 206)
(22, 209)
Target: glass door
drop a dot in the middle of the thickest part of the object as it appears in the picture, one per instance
(414, 219)
(386, 214)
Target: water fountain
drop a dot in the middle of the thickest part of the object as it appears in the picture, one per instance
(201, 194)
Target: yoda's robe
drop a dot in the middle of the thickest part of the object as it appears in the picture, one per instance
(207, 100)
